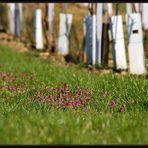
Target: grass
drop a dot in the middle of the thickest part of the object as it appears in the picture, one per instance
(32, 122)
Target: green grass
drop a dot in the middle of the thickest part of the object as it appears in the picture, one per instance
(26, 122)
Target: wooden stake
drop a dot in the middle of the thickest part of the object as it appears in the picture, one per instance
(105, 39)
(46, 29)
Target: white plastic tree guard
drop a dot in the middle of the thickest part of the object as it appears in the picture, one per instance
(90, 23)
(94, 40)
(11, 14)
(138, 7)
(50, 18)
(15, 18)
(65, 27)
(88, 27)
(118, 46)
(99, 32)
(38, 29)
(145, 16)
(128, 8)
(110, 8)
(135, 43)
(18, 23)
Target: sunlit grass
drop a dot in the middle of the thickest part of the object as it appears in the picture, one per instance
(32, 122)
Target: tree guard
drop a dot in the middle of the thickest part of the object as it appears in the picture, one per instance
(118, 46)
(128, 8)
(110, 8)
(38, 29)
(65, 27)
(88, 24)
(99, 32)
(145, 16)
(135, 44)
(51, 19)
(18, 24)
(11, 14)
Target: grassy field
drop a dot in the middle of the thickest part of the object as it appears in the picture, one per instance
(114, 108)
